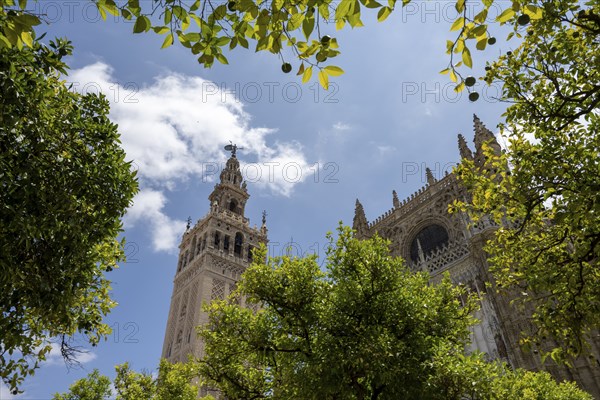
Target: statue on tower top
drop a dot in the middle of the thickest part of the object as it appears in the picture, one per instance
(232, 147)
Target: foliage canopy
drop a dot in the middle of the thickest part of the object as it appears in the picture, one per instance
(543, 190)
(64, 187)
(173, 381)
(366, 327)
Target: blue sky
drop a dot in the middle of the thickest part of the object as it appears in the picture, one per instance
(308, 153)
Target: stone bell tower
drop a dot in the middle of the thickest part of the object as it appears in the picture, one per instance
(212, 255)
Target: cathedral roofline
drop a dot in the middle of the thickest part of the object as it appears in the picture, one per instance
(415, 198)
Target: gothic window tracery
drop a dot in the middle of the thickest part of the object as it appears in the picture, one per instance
(429, 239)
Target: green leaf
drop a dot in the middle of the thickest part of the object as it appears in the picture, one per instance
(460, 87)
(371, 3)
(481, 16)
(466, 57)
(481, 44)
(332, 70)
(161, 30)
(308, 25)
(295, 21)
(142, 24)
(458, 24)
(168, 41)
(343, 9)
(506, 15)
(459, 6)
(222, 59)
(179, 12)
(4, 42)
(195, 5)
(534, 12)
(324, 79)
(453, 76)
(307, 74)
(480, 30)
(26, 38)
(383, 13)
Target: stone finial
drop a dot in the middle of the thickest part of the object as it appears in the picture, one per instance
(263, 227)
(395, 200)
(430, 178)
(463, 148)
(360, 223)
(189, 224)
(483, 135)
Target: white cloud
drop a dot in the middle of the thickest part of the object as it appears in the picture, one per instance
(174, 129)
(147, 208)
(384, 150)
(340, 126)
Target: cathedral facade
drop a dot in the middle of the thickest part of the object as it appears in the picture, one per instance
(430, 239)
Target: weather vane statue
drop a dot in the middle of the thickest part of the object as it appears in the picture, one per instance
(232, 148)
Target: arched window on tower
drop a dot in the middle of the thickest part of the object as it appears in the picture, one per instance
(233, 206)
(217, 241)
(239, 241)
(226, 243)
(193, 248)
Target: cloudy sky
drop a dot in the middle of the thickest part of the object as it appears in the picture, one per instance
(308, 154)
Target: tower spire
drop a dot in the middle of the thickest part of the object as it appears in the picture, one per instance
(360, 223)
(231, 193)
(463, 148)
(430, 178)
(483, 135)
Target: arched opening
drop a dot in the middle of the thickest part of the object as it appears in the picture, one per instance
(233, 206)
(217, 241)
(226, 243)
(237, 246)
(429, 239)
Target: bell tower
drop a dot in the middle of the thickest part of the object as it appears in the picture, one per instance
(212, 255)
